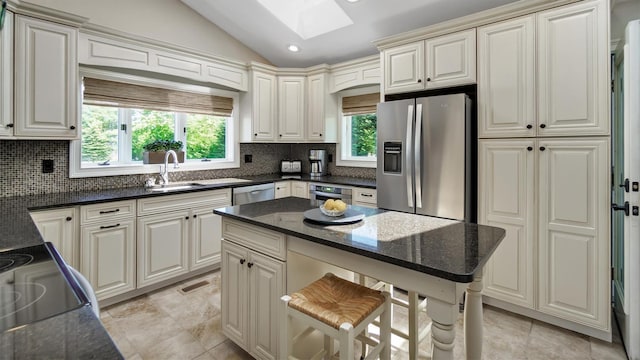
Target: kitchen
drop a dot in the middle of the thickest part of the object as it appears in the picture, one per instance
(27, 178)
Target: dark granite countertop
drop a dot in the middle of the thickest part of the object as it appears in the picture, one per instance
(329, 179)
(447, 249)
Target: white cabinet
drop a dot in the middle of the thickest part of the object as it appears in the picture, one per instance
(6, 76)
(252, 283)
(260, 106)
(291, 108)
(178, 234)
(506, 79)
(557, 86)
(322, 110)
(46, 79)
(551, 196)
(506, 186)
(108, 247)
(365, 197)
(356, 73)
(573, 70)
(60, 227)
(573, 230)
(300, 189)
(283, 189)
(443, 61)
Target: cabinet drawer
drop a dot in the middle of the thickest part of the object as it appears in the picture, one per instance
(162, 204)
(369, 196)
(255, 238)
(106, 211)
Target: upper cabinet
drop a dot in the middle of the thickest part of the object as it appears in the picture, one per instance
(259, 107)
(350, 74)
(46, 79)
(560, 56)
(443, 61)
(291, 108)
(6, 76)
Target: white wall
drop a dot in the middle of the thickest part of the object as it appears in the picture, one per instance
(622, 12)
(165, 20)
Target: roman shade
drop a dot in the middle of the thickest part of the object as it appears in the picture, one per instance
(360, 104)
(123, 95)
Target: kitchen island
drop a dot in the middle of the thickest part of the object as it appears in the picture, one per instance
(438, 258)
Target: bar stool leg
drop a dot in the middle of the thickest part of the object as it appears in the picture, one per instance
(285, 342)
(328, 347)
(414, 325)
(346, 338)
(385, 329)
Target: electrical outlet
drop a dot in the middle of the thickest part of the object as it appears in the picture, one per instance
(47, 166)
(248, 158)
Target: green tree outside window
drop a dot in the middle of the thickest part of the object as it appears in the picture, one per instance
(363, 134)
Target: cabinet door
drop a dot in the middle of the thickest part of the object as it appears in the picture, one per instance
(404, 68)
(108, 257)
(573, 70)
(46, 82)
(264, 106)
(266, 286)
(574, 210)
(317, 85)
(283, 189)
(506, 81)
(291, 107)
(6, 76)
(300, 189)
(59, 227)
(163, 249)
(506, 199)
(365, 197)
(234, 302)
(206, 234)
(451, 59)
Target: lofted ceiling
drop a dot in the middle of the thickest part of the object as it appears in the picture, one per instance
(252, 24)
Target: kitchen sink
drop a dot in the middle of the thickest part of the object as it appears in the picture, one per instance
(175, 187)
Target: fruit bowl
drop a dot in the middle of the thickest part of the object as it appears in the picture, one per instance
(333, 213)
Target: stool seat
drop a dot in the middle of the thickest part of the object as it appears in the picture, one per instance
(335, 301)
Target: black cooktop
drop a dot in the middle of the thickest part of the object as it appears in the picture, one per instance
(35, 284)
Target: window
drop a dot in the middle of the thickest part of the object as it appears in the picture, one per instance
(119, 118)
(358, 127)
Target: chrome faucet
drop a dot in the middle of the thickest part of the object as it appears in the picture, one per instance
(164, 172)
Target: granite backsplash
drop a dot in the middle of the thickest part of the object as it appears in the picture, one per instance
(22, 167)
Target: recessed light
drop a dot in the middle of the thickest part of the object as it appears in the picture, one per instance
(293, 48)
(352, 1)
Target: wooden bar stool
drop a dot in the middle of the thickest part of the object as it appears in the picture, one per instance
(341, 310)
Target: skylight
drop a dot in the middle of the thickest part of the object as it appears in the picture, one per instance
(308, 18)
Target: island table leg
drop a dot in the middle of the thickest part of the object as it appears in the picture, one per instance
(473, 322)
(443, 332)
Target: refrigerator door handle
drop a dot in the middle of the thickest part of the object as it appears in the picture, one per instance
(407, 154)
(418, 156)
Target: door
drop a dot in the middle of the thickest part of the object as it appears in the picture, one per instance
(59, 227)
(394, 174)
(162, 247)
(264, 106)
(291, 108)
(440, 152)
(206, 234)
(626, 165)
(404, 68)
(234, 302)
(6, 76)
(451, 59)
(108, 257)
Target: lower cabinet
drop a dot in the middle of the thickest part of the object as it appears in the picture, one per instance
(59, 226)
(300, 189)
(552, 197)
(252, 284)
(108, 257)
(365, 197)
(283, 189)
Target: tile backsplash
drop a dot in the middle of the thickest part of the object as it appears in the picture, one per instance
(21, 172)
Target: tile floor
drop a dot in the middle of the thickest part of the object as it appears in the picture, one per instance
(171, 324)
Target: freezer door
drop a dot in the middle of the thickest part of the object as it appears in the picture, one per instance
(394, 174)
(440, 158)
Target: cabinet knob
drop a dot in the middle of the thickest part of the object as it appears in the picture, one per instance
(242, 261)
(72, 127)
(529, 126)
(542, 126)
(69, 218)
(256, 134)
(530, 148)
(320, 134)
(542, 148)
(419, 80)
(249, 265)
(428, 79)
(280, 135)
(195, 216)
(9, 125)
(186, 218)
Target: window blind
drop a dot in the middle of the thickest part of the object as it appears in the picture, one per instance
(360, 104)
(123, 95)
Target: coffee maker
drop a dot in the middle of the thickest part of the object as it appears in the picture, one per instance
(318, 160)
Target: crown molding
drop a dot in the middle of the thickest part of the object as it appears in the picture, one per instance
(45, 13)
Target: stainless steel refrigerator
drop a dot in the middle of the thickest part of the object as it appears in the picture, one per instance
(424, 150)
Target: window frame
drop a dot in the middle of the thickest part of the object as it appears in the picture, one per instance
(232, 139)
(344, 158)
